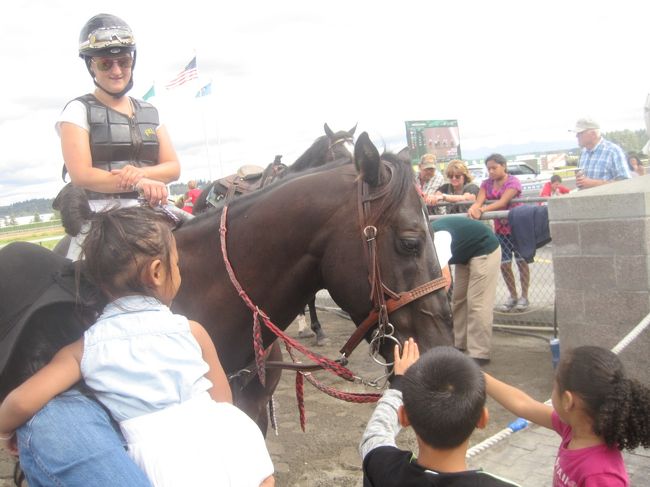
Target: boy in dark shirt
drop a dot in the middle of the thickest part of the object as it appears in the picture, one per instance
(444, 401)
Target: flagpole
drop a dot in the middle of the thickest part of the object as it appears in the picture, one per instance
(205, 136)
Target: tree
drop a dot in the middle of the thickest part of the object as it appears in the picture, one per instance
(12, 220)
(37, 218)
(628, 140)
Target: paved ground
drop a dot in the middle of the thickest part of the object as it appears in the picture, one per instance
(326, 454)
(527, 457)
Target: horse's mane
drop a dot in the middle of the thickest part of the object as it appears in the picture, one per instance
(315, 152)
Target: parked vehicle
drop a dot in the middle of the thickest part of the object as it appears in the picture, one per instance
(531, 180)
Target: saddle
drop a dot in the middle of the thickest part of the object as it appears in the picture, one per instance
(32, 278)
(247, 179)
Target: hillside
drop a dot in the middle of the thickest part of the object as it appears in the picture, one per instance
(27, 208)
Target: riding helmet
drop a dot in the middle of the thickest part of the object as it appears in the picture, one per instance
(107, 35)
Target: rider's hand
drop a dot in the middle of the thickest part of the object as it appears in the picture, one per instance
(129, 176)
(410, 354)
(155, 192)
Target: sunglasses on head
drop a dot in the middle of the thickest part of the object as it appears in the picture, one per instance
(106, 63)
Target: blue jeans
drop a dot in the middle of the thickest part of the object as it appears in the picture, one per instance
(73, 442)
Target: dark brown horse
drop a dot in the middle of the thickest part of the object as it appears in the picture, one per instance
(289, 240)
(358, 230)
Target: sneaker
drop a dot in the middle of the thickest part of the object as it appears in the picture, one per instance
(508, 305)
(522, 304)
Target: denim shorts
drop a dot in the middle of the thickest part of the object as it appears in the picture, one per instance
(507, 248)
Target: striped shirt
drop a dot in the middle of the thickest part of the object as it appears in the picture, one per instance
(606, 161)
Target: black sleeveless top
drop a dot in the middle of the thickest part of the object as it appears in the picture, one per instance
(117, 140)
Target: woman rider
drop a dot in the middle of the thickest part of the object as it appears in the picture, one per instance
(113, 145)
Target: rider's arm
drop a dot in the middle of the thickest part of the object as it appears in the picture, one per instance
(75, 145)
(220, 390)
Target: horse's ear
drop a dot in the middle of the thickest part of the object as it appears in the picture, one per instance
(366, 158)
(328, 131)
(404, 155)
(351, 131)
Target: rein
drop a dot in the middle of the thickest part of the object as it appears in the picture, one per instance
(323, 362)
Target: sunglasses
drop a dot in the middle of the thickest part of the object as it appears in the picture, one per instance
(456, 176)
(106, 63)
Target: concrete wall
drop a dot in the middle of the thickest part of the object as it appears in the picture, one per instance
(601, 260)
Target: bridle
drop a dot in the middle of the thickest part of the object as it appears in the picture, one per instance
(384, 300)
(347, 139)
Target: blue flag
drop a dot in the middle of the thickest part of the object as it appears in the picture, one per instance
(205, 91)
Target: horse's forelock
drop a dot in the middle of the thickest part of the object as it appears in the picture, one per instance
(400, 183)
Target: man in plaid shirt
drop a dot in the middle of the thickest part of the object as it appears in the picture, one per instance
(429, 179)
(601, 161)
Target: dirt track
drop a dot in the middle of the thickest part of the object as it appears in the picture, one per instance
(326, 454)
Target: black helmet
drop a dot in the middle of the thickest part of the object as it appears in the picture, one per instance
(106, 35)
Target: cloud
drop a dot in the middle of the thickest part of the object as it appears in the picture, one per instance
(509, 72)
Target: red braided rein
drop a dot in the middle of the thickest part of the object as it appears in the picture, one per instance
(326, 363)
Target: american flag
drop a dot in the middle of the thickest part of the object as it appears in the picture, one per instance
(190, 72)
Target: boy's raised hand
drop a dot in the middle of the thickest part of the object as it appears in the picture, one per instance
(410, 354)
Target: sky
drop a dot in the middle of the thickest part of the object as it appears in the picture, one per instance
(510, 72)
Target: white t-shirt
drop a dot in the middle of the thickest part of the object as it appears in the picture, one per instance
(442, 242)
(75, 112)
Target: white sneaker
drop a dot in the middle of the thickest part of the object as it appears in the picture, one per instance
(522, 304)
(508, 305)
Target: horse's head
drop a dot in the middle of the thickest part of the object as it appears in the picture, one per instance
(394, 255)
(341, 143)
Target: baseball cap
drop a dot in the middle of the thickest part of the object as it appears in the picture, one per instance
(428, 161)
(585, 124)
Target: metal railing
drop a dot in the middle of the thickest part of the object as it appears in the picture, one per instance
(540, 312)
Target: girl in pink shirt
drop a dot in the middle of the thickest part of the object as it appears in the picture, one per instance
(596, 410)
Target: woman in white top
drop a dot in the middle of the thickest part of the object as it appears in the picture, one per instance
(113, 145)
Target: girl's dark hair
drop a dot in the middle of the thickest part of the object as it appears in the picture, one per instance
(120, 245)
(618, 406)
(498, 158)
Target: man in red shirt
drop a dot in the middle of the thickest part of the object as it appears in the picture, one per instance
(554, 187)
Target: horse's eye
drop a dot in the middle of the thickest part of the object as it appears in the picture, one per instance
(410, 246)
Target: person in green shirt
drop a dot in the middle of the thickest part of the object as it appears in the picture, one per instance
(476, 254)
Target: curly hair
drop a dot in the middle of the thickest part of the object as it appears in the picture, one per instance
(618, 406)
(120, 245)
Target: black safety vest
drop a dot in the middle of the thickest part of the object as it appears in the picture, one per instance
(117, 140)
